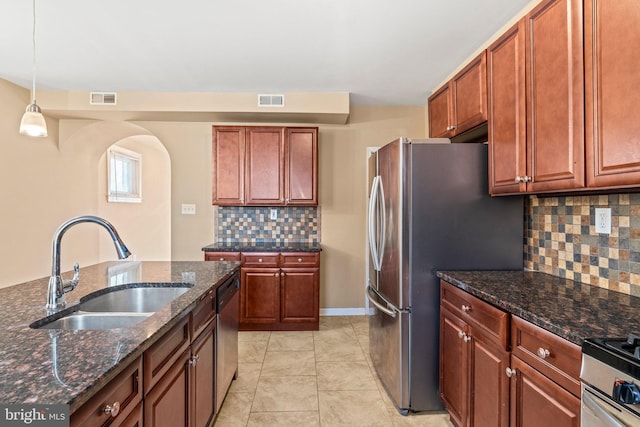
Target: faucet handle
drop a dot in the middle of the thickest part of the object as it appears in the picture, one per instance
(69, 285)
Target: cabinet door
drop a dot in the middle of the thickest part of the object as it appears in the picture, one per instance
(489, 387)
(299, 295)
(454, 367)
(203, 370)
(507, 114)
(555, 90)
(260, 296)
(168, 402)
(301, 166)
(469, 95)
(537, 401)
(612, 90)
(440, 113)
(228, 165)
(265, 166)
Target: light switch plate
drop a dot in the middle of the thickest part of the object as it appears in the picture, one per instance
(188, 209)
(603, 220)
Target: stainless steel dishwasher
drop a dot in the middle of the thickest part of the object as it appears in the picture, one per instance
(228, 312)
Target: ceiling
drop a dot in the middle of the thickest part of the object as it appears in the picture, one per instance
(383, 52)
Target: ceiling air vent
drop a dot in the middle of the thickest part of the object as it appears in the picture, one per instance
(102, 98)
(270, 100)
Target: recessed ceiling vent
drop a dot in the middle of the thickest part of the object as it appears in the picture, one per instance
(102, 98)
(269, 100)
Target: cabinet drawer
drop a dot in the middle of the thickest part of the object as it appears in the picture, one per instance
(164, 352)
(491, 321)
(260, 259)
(222, 256)
(202, 314)
(553, 356)
(125, 390)
(299, 259)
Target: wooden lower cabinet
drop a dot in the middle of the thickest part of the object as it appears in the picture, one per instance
(483, 384)
(473, 384)
(167, 404)
(538, 401)
(204, 377)
(299, 293)
(259, 296)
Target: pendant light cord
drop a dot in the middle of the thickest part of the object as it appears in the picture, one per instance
(33, 58)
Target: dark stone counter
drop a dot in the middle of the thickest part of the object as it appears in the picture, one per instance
(67, 367)
(572, 310)
(263, 247)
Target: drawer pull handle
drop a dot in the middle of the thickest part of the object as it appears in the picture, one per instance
(510, 372)
(466, 308)
(194, 360)
(543, 353)
(299, 259)
(112, 410)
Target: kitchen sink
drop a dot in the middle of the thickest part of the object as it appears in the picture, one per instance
(133, 300)
(120, 308)
(94, 321)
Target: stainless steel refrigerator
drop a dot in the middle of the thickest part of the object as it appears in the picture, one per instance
(429, 210)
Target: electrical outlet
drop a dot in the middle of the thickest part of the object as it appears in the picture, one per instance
(274, 214)
(603, 220)
(188, 209)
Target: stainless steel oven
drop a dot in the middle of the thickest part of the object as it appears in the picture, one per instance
(610, 376)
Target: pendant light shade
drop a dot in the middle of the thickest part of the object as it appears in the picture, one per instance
(33, 123)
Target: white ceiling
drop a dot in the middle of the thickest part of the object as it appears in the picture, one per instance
(383, 52)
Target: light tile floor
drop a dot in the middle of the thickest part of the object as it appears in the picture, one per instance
(320, 378)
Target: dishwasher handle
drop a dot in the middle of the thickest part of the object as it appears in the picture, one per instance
(226, 291)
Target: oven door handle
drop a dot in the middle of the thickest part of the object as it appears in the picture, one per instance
(593, 406)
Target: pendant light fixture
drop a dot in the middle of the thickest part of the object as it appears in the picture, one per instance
(33, 123)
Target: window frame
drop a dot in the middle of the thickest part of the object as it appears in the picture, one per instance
(135, 180)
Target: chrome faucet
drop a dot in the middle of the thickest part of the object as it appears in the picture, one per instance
(57, 286)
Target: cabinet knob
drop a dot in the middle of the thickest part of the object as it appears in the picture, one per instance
(194, 360)
(259, 259)
(221, 259)
(543, 353)
(299, 259)
(518, 179)
(112, 410)
(461, 334)
(510, 372)
(466, 308)
(466, 338)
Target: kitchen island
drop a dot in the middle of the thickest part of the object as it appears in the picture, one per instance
(40, 366)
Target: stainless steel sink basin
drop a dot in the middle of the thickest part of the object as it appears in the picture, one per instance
(133, 300)
(121, 308)
(79, 321)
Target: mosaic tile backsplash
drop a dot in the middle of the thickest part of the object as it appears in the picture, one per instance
(560, 239)
(253, 224)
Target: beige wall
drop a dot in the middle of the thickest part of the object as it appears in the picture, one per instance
(44, 185)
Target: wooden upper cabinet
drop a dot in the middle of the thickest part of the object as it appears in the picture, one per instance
(228, 165)
(265, 166)
(461, 104)
(301, 166)
(507, 111)
(440, 113)
(469, 95)
(555, 91)
(612, 92)
(536, 137)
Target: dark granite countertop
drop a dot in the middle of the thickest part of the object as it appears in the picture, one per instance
(572, 310)
(263, 247)
(67, 367)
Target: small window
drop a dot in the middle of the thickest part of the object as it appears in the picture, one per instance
(124, 175)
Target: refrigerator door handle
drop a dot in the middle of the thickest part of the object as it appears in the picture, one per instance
(391, 309)
(373, 203)
(383, 223)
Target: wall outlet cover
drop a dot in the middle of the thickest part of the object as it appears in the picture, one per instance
(603, 220)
